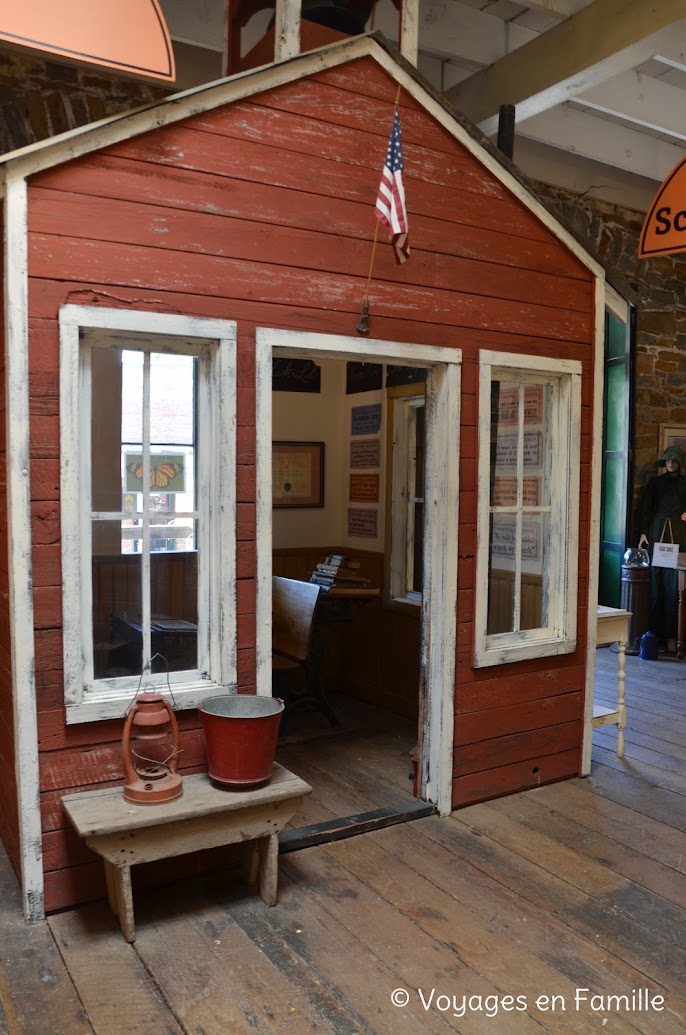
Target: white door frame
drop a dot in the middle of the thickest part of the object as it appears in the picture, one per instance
(437, 681)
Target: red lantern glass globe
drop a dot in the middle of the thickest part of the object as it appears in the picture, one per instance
(150, 747)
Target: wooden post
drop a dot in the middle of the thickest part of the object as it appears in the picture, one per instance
(409, 30)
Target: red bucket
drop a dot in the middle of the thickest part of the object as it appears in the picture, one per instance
(240, 736)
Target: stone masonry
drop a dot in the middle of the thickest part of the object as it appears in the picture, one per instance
(660, 283)
(40, 98)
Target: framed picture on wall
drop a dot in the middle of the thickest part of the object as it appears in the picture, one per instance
(672, 435)
(297, 474)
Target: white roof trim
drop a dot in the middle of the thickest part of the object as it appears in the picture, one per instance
(86, 139)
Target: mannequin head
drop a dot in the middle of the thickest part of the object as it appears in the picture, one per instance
(673, 459)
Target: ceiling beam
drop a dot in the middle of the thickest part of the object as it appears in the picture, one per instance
(559, 8)
(603, 141)
(639, 98)
(452, 30)
(672, 53)
(601, 40)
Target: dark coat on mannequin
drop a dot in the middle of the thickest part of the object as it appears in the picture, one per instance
(660, 509)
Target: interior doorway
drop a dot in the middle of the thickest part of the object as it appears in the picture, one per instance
(372, 487)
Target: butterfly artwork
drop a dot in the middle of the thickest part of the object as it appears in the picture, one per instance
(166, 472)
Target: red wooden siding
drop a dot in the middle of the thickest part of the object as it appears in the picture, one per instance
(262, 212)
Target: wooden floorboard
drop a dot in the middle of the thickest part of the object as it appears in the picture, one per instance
(575, 885)
(37, 992)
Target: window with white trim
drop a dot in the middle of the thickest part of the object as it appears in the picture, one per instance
(528, 507)
(147, 406)
(407, 461)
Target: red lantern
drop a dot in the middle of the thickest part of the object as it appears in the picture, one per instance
(151, 751)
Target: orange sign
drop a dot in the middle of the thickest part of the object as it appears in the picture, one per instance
(129, 36)
(664, 229)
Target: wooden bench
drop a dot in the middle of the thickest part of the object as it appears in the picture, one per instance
(206, 816)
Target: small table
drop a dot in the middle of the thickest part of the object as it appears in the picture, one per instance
(613, 626)
(207, 816)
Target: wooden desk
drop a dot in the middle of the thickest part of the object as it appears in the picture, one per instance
(205, 817)
(613, 626)
(175, 640)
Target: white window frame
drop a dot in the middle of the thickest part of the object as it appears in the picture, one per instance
(559, 637)
(213, 342)
(403, 501)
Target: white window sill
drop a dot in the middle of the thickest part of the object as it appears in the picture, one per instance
(506, 654)
(98, 704)
(411, 598)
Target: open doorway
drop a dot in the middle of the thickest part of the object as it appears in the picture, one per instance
(386, 505)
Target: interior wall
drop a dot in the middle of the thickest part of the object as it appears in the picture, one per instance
(359, 542)
(313, 417)
(327, 417)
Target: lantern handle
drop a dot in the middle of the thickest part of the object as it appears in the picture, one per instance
(153, 689)
(126, 742)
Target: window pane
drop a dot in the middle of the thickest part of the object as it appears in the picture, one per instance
(617, 406)
(617, 337)
(504, 442)
(418, 549)
(420, 424)
(171, 399)
(121, 460)
(116, 616)
(174, 605)
(106, 370)
(132, 396)
(613, 526)
(501, 574)
(416, 572)
(519, 544)
(535, 571)
(539, 470)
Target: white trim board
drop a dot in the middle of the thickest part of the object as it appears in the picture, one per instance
(20, 604)
(594, 530)
(86, 139)
(440, 549)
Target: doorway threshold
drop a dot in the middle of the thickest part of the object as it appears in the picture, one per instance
(350, 826)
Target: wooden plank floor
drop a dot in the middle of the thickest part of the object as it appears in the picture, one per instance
(577, 885)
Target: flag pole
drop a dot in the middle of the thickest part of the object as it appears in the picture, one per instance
(363, 325)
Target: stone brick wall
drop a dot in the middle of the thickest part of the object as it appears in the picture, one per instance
(660, 283)
(40, 98)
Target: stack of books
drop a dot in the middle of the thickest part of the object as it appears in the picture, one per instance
(339, 570)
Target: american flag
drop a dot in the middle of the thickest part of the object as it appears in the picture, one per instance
(390, 201)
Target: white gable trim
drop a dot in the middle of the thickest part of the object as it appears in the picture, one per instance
(84, 140)
(440, 549)
(22, 648)
(594, 533)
